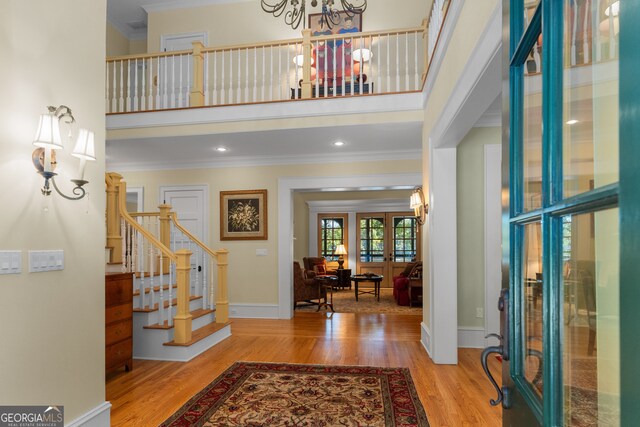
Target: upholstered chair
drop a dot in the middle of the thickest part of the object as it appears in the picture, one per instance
(317, 266)
(401, 283)
(306, 290)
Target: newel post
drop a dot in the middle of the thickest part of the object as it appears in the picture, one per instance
(182, 319)
(196, 98)
(165, 231)
(425, 47)
(114, 238)
(306, 63)
(222, 300)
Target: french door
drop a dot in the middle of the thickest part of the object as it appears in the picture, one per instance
(386, 242)
(570, 351)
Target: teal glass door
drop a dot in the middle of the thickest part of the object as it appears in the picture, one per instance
(573, 214)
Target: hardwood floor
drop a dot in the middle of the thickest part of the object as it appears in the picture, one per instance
(451, 395)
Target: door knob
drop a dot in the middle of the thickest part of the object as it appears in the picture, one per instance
(502, 349)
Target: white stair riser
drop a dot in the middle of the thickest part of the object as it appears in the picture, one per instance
(153, 317)
(148, 344)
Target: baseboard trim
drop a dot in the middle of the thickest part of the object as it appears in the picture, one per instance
(471, 337)
(425, 338)
(254, 311)
(100, 416)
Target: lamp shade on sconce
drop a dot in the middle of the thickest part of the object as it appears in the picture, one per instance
(48, 134)
(85, 145)
(415, 201)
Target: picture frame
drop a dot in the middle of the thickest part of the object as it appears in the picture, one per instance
(346, 25)
(243, 215)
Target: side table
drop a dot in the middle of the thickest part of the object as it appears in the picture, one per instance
(327, 283)
(344, 278)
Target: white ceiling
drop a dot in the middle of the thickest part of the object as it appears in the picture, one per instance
(292, 146)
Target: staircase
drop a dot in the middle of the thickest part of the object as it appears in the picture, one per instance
(180, 308)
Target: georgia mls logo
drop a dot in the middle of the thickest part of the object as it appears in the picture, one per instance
(32, 416)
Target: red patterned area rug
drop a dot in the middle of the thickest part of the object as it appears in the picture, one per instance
(253, 394)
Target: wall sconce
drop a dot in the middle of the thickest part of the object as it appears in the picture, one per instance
(48, 140)
(340, 250)
(419, 206)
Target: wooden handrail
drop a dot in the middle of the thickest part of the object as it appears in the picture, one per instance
(174, 218)
(133, 223)
(149, 55)
(143, 214)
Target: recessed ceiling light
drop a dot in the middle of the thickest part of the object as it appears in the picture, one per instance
(338, 143)
(222, 149)
(572, 122)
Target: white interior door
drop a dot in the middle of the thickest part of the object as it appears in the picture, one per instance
(191, 206)
(175, 76)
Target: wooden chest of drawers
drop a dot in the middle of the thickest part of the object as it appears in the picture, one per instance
(118, 321)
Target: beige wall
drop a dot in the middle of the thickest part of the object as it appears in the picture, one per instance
(52, 324)
(252, 279)
(301, 211)
(117, 43)
(222, 22)
(470, 200)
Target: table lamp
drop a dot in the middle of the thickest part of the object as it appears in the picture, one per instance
(340, 250)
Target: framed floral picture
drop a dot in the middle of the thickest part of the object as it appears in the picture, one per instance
(243, 215)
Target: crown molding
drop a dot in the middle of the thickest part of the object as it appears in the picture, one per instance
(186, 4)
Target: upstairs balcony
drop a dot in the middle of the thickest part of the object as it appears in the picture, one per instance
(311, 67)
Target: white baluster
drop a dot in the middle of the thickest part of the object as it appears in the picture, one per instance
(150, 85)
(206, 79)
(123, 234)
(214, 101)
(135, 95)
(388, 65)
(351, 62)
(180, 85)
(165, 79)
(204, 280)
(143, 94)
(188, 86)
(230, 76)
(255, 74)
(152, 253)
(142, 269)
(379, 65)
(106, 97)
(280, 85)
(161, 291)
(114, 99)
(173, 81)
(222, 89)
(263, 78)
(246, 75)
(406, 62)
(343, 64)
(317, 76)
(397, 63)
(612, 36)
(415, 59)
(362, 64)
(271, 73)
(334, 68)
(157, 81)
(325, 54)
(121, 103)
(288, 64)
(134, 249)
(128, 99)
(171, 275)
(239, 90)
(296, 73)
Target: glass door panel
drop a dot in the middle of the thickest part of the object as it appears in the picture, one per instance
(532, 131)
(591, 313)
(590, 116)
(372, 246)
(532, 304)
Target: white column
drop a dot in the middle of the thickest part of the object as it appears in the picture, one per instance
(443, 256)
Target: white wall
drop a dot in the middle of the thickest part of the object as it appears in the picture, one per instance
(52, 324)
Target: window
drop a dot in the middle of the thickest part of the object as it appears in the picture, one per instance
(333, 232)
(372, 239)
(405, 239)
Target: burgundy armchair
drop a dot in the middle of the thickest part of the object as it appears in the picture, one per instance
(401, 282)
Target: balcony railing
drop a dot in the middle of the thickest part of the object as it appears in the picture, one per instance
(311, 67)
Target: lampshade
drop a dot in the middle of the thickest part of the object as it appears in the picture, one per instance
(362, 55)
(340, 250)
(613, 9)
(299, 60)
(414, 201)
(48, 134)
(85, 147)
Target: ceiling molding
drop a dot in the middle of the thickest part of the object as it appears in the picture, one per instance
(232, 162)
(358, 205)
(186, 4)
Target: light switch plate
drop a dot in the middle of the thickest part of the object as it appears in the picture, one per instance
(40, 261)
(261, 252)
(10, 262)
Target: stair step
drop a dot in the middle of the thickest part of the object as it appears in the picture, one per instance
(166, 304)
(147, 274)
(200, 334)
(195, 314)
(155, 289)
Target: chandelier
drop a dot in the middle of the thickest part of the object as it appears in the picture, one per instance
(294, 11)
